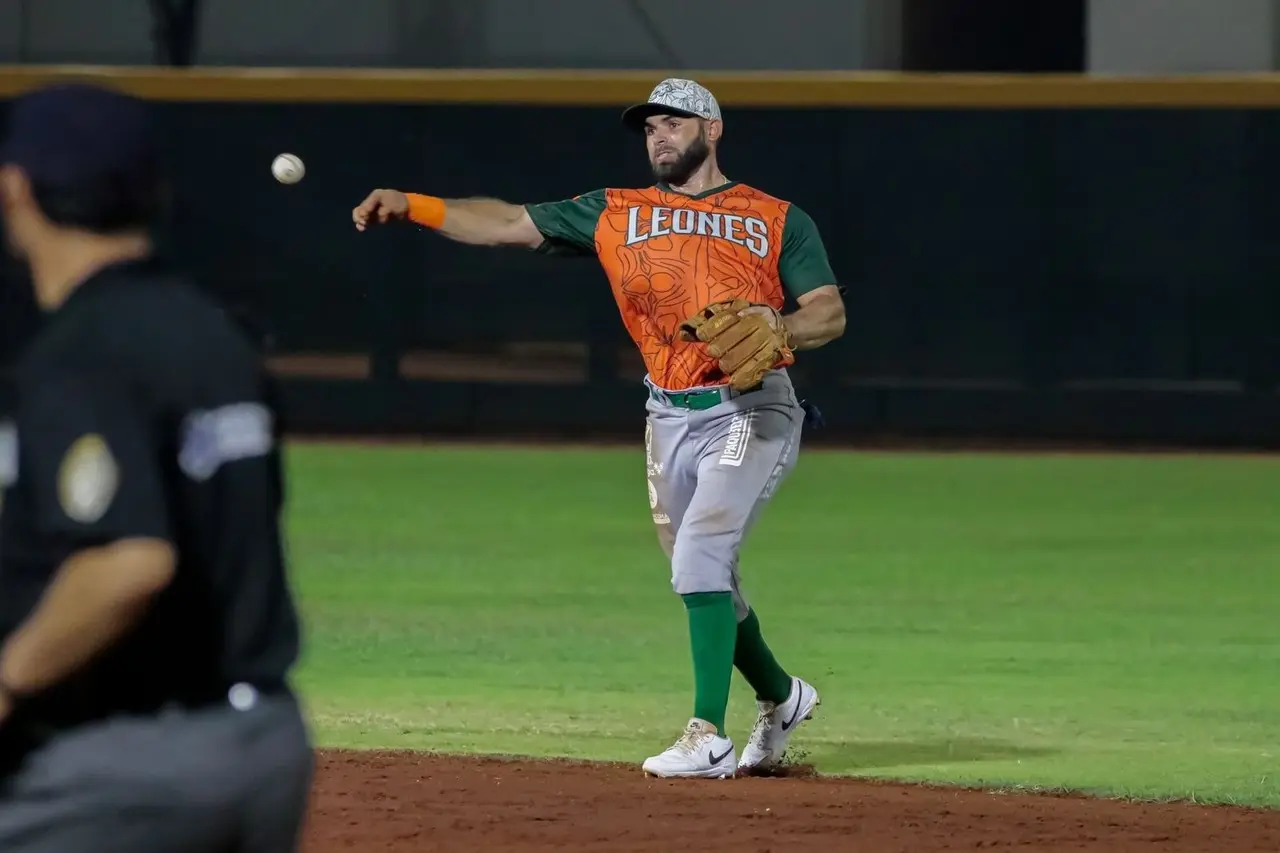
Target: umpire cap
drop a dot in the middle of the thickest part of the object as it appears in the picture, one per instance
(75, 134)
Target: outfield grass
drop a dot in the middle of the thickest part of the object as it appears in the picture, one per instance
(1096, 623)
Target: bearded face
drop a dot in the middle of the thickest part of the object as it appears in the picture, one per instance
(677, 147)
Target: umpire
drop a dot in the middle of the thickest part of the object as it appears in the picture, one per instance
(147, 623)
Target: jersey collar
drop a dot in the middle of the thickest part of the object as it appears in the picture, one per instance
(666, 188)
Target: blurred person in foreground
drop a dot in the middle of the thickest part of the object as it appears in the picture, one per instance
(147, 628)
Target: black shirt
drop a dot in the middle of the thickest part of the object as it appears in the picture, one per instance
(143, 410)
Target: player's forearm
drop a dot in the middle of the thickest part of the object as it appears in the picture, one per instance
(477, 221)
(818, 323)
(96, 597)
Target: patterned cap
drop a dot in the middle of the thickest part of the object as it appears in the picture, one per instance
(673, 96)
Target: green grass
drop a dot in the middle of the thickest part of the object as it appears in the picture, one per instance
(1097, 623)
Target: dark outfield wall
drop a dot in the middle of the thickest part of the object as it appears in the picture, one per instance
(1101, 274)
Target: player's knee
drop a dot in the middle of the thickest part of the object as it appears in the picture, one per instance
(698, 565)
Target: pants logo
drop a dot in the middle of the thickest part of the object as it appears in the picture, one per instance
(735, 445)
(658, 517)
(654, 468)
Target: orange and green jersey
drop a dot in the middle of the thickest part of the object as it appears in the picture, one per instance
(668, 254)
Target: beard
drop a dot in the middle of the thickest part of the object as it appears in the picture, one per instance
(679, 171)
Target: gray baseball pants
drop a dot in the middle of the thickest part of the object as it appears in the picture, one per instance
(222, 779)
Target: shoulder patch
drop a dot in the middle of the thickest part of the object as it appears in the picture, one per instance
(211, 439)
(8, 458)
(88, 479)
(8, 453)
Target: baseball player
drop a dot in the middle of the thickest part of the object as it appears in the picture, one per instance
(699, 265)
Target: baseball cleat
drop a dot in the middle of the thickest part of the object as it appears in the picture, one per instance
(700, 753)
(775, 725)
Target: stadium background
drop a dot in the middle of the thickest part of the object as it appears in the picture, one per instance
(1022, 264)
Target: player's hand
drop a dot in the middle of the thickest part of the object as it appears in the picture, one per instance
(380, 207)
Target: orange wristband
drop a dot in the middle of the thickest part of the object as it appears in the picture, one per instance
(426, 210)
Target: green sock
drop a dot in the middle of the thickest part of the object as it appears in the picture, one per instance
(757, 664)
(712, 634)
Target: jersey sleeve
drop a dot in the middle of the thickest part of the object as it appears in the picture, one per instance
(803, 265)
(94, 463)
(569, 226)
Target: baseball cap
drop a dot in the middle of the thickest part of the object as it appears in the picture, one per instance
(69, 134)
(673, 96)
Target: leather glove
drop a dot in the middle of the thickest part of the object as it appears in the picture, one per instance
(747, 338)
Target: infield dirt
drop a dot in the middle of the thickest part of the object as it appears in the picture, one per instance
(402, 801)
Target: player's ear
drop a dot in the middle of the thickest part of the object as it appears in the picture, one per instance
(714, 128)
(15, 187)
(16, 193)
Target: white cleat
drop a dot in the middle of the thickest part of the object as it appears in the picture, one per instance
(700, 753)
(775, 725)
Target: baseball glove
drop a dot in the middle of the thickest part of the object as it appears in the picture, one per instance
(747, 338)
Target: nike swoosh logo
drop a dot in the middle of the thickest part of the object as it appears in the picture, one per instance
(786, 726)
(716, 759)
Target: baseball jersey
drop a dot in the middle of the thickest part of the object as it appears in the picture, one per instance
(668, 254)
(142, 411)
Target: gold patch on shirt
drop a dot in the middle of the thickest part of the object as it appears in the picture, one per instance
(88, 479)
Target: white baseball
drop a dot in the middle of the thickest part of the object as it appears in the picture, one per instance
(288, 168)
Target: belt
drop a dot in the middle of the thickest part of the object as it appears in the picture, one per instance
(697, 399)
